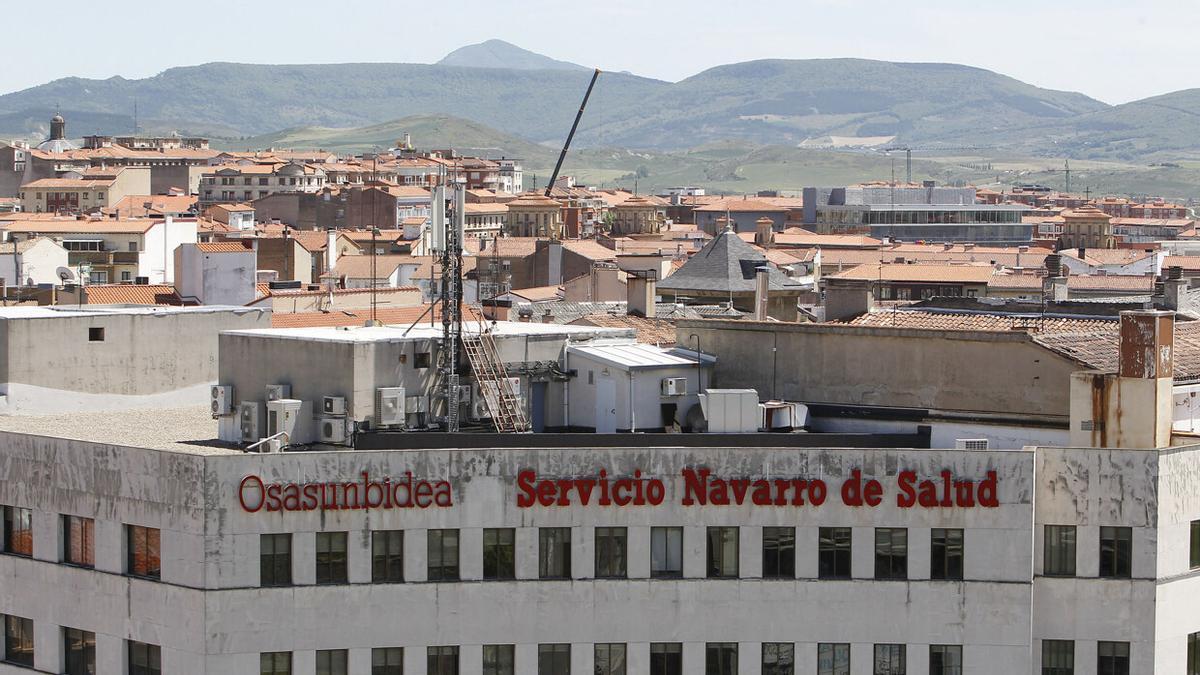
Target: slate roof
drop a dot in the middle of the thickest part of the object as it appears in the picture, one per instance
(726, 264)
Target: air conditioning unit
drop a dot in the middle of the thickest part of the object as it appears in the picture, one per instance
(333, 405)
(479, 409)
(389, 406)
(674, 386)
(332, 430)
(971, 444)
(222, 400)
(273, 445)
(282, 415)
(249, 413)
(278, 391)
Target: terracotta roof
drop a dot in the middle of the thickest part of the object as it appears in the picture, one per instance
(355, 317)
(359, 266)
(132, 294)
(1086, 212)
(1089, 282)
(532, 200)
(538, 293)
(970, 274)
(226, 247)
(589, 248)
(1106, 256)
(654, 331)
(1099, 350)
(83, 183)
(509, 247)
(135, 205)
(740, 205)
(24, 244)
(74, 225)
(1190, 263)
(945, 320)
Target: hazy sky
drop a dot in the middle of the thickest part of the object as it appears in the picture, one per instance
(1113, 50)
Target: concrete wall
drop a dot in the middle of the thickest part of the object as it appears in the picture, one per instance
(225, 278)
(292, 261)
(39, 264)
(148, 358)
(1178, 505)
(957, 371)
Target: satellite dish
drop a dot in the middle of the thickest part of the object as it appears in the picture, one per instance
(65, 274)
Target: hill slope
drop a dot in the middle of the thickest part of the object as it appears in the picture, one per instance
(501, 54)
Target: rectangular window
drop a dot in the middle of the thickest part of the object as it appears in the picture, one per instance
(500, 660)
(331, 661)
(79, 652)
(610, 552)
(722, 553)
(945, 660)
(1058, 657)
(421, 360)
(499, 553)
(1112, 658)
(946, 556)
(387, 556)
(889, 660)
(1116, 552)
(387, 661)
(18, 641)
(1195, 545)
(554, 659)
(142, 545)
(1059, 551)
(144, 659)
(96, 333)
(275, 663)
(331, 558)
(666, 658)
(275, 559)
(1193, 654)
(833, 553)
(833, 659)
(442, 660)
(778, 658)
(891, 553)
(610, 659)
(18, 531)
(554, 553)
(720, 658)
(443, 555)
(779, 553)
(666, 552)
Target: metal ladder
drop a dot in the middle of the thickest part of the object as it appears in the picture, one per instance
(506, 407)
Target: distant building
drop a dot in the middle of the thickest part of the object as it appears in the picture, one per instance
(58, 136)
(534, 215)
(112, 250)
(1087, 227)
(235, 182)
(86, 191)
(511, 177)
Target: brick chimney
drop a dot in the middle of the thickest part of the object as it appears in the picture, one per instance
(641, 289)
(764, 231)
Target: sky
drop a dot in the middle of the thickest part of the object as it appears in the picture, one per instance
(1112, 50)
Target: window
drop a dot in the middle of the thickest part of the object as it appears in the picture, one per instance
(945, 660)
(1116, 552)
(387, 556)
(500, 660)
(442, 660)
(722, 552)
(1112, 658)
(1193, 654)
(331, 558)
(275, 559)
(18, 641)
(554, 659)
(1195, 545)
(275, 663)
(443, 555)
(778, 658)
(144, 659)
(388, 661)
(833, 659)
(833, 553)
(610, 659)
(133, 247)
(1059, 551)
(18, 531)
(554, 553)
(946, 556)
(79, 652)
(331, 661)
(421, 360)
(126, 276)
(79, 541)
(666, 658)
(142, 547)
(666, 552)
(96, 334)
(720, 658)
(499, 553)
(891, 553)
(779, 553)
(610, 552)
(1058, 657)
(889, 660)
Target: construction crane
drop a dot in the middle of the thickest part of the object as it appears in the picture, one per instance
(908, 151)
(578, 116)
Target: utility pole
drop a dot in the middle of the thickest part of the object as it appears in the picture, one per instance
(1067, 171)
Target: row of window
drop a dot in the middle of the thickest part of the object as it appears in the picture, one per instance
(79, 538)
(79, 650)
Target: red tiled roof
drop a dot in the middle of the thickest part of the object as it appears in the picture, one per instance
(905, 318)
(132, 294)
(226, 247)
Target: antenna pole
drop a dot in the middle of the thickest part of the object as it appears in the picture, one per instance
(578, 116)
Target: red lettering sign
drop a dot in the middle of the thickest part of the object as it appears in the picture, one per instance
(255, 495)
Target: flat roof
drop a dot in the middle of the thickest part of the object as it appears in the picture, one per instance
(190, 430)
(400, 333)
(631, 356)
(63, 311)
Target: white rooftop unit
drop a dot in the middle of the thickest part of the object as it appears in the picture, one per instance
(731, 411)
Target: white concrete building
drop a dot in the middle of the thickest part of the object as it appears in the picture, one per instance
(217, 273)
(35, 261)
(114, 249)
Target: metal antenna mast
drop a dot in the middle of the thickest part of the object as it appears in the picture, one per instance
(449, 242)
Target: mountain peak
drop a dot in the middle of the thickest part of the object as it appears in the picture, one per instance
(501, 54)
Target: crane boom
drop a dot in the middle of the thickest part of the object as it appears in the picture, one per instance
(578, 116)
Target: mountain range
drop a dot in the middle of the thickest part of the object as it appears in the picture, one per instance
(532, 98)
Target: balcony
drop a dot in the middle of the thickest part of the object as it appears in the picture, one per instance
(75, 258)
